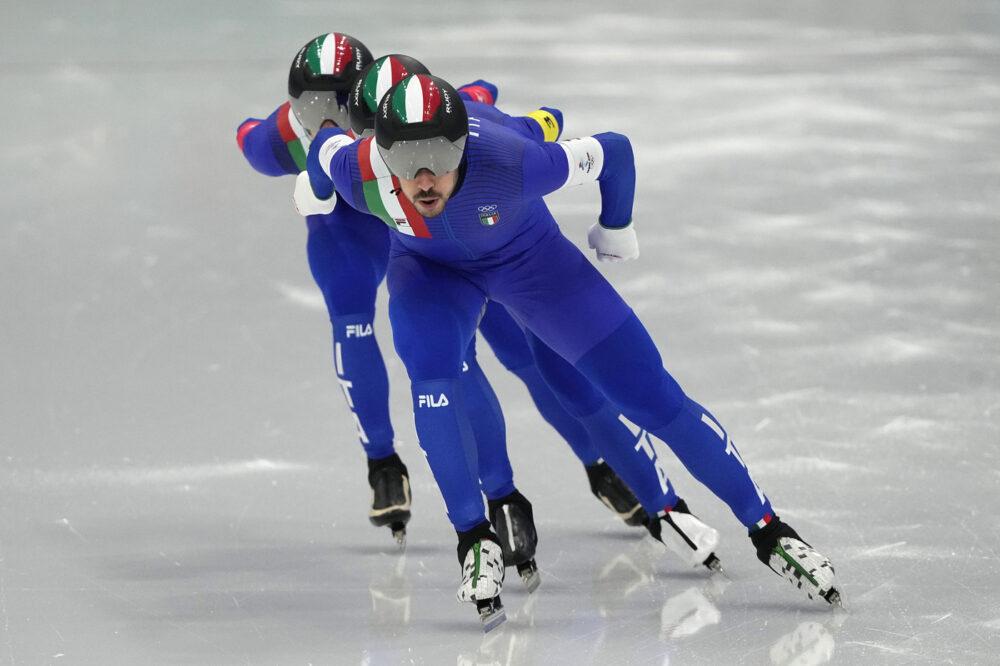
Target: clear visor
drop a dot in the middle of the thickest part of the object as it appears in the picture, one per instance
(314, 106)
(439, 155)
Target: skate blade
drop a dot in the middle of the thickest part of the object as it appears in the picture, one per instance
(491, 614)
(399, 533)
(713, 564)
(833, 598)
(529, 575)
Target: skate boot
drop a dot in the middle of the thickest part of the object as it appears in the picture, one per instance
(610, 489)
(783, 550)
(390, 485)
(686, 536)
(482, 574)
(514, 522)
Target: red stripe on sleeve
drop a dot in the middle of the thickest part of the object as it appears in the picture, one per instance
(365, 160)
(284, 128)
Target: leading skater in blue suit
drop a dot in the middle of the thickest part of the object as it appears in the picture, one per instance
(465, 198)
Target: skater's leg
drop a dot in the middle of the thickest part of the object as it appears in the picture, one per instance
(348, 260)
(655, 401)
(348, 263)
(627, 367)
(434, 314)
(488, 427)
(569, 305)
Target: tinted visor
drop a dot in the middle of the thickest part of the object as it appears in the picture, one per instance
(437, 154)
(312, 107)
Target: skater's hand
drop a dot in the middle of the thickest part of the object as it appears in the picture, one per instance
(306, 201)
(314, 187)
(479, 91)
(613, 244)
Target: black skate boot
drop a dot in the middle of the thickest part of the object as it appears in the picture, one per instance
(612, 491)
(390, 485)
(481, 557)
(686, 536)
(783, 550)
(514, 522)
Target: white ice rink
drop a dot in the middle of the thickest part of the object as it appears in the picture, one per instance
(818, 205)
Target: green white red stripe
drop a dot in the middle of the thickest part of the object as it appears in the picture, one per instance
(762, 523)
(294, 135)
(329, 54)
(386, 72)
(383, 195)
(416, 99)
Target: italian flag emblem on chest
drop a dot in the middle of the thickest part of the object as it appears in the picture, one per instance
(489, 215)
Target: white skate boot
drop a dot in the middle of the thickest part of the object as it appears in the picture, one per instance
(686, 536)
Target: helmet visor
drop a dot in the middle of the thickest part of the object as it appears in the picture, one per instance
(437, 154)
(312, 107)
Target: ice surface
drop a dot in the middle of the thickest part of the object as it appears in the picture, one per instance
(817, 201)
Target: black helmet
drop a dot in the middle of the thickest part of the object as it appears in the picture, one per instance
(369, 86)
(421, 124)
(321, 76)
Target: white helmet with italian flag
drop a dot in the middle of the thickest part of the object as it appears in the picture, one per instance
(421, 124)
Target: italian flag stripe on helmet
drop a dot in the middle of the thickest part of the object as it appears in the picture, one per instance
(416, 99)
(390, 71)
(329, 54)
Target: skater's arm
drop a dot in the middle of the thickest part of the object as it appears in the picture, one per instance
(275, 146)
(606, 158)
(480, 97)
(336, 164)
(543, 124)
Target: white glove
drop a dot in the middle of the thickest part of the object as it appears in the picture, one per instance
(618, 244)
(306, 201)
